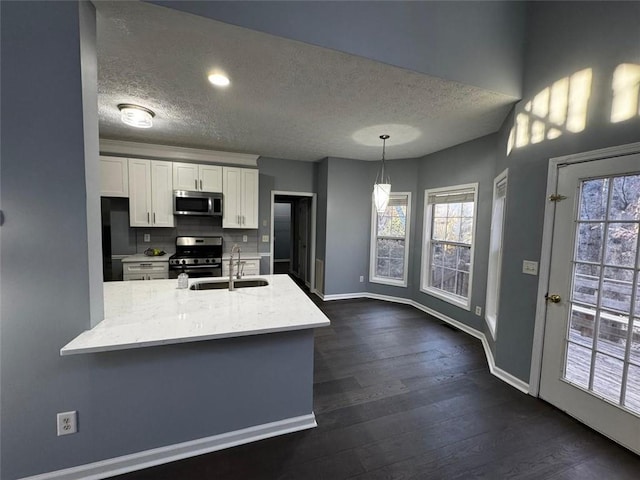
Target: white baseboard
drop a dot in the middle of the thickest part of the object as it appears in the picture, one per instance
(158, 456)
(345, 296)
(495, 370)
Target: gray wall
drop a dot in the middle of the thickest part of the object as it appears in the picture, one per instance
(467, 163)
(562, 38)
(280, 175)
(404, 178)
(480, 44)
(127, 401)
(45, 296)
(321, 222)
(349, 187)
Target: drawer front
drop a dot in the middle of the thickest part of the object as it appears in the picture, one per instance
(145, 267)
(251, 267)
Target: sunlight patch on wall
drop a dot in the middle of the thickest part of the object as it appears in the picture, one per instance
(626, 92)
(559, 108)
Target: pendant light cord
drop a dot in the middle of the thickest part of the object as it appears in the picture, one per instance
(384, 144)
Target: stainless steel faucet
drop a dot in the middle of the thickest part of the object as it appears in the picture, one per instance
(234, 249)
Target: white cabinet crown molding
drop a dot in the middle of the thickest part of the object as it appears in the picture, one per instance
(173, 153)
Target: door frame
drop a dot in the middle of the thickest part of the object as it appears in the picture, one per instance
(545, 253)
(312, 249)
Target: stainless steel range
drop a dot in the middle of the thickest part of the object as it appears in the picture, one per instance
(197, 256)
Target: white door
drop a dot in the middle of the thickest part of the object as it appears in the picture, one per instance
(591, 354)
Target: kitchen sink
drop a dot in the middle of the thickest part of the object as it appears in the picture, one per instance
(221, 285)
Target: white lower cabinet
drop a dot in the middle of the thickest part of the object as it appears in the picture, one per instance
(249, 266)
(145, 270)
(150, 193)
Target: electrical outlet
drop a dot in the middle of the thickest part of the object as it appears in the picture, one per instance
(265, 238)
(147, 237)
(361, 278)
(67, 423)
(530, 267)
(244, 238)
(478, 311)
(264, 223)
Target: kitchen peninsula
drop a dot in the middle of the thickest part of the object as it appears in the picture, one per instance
(152, 313)
(222, 368)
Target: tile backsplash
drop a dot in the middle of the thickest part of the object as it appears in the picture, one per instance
(165, 238)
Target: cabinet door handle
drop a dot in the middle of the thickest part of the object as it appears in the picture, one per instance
(147, 217)
(196, 180)
(154, 217)
(200, 184)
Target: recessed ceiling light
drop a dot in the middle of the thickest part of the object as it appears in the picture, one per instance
(136, 116)
(219, 80)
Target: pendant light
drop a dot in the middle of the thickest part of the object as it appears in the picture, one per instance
(382, 187)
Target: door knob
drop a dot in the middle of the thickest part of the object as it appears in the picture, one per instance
(554, 298)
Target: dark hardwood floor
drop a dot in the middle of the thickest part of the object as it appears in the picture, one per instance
(400, 395)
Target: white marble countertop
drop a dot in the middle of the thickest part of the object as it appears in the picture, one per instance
(155, 312)
(141, 257)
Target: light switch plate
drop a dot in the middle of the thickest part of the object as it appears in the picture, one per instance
(265, 238)
(147, 237)
(244, 238)
(530, 267)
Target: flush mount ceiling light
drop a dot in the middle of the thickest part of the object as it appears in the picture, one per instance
(136, 116)
(382, 187)
(219, 80)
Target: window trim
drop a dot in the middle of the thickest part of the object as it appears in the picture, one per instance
(490, 319)
(425, 266)
(372, 251)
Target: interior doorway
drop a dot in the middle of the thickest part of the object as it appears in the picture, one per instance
(293, 231)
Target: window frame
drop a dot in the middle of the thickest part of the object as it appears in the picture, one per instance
(491, 318)
(374, 236)
(425, 273)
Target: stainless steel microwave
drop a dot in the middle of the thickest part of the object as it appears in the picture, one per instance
(206, 204)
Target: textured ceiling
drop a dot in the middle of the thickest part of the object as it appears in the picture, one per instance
(287, 99)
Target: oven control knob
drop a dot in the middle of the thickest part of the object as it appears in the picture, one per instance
(183, 261)
(208, 260)
(195, 260)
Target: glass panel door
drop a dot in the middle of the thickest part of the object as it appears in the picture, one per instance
(603, 338)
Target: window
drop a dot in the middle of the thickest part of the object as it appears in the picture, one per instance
(495, 251)
(390, 241)
(447, 252)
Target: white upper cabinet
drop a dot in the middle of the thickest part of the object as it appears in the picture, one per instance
(150, 193)
(161, 194)
(114, 177)
(240, 202)
(210, 178)
(194, 177)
